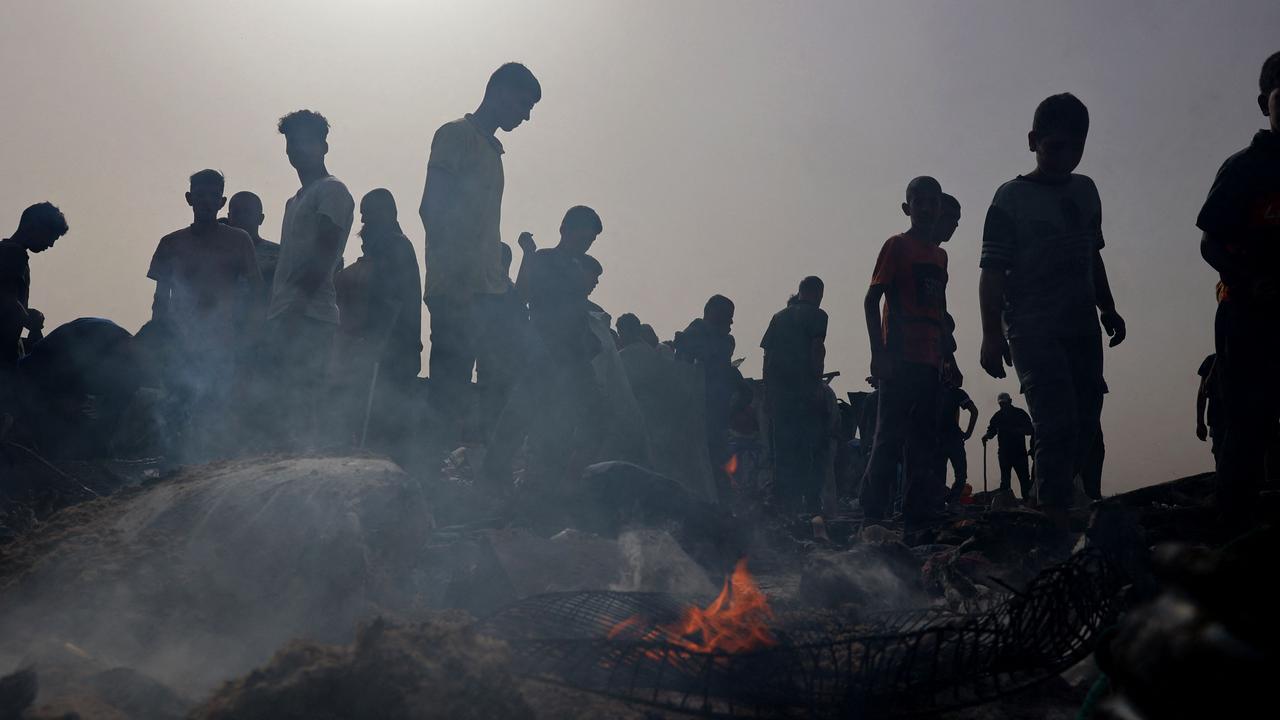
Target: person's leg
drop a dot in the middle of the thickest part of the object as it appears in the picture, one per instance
(1248, 364)
(1045, 373)
(924, 489)
(452, 356)
(955, 454)
(786, 456)
(1020, 468)
(893, 414)
(1085, 356)
(1006, 468)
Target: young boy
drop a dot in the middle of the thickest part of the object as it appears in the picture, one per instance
(207, 279)
(38, 229)
(1241, 224)
(1042, 287)
(909, 348)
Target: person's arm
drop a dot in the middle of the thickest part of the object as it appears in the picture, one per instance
(994, 355)
(818, 351)
(329, 239)
(1111, 320)
(1202, 402)
(991, 427)
(527, 249)
(881, 366)
(160, 306)
(973, 419)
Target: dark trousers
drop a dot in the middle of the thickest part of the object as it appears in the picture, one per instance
(1062, 381)
(951, 450)
(1249, 362)
(467, 335)
(301, 348)
(798, 425)
(1015, 465)
(906, 432)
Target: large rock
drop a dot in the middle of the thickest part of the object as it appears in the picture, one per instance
(198, 577)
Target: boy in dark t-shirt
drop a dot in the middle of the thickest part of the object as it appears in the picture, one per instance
(38, 229)
(1043, 290)
(1241, 224)
(794, 352)
(909, 348)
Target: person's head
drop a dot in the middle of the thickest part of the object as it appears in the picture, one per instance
(1269, 90)
(244, 211)
(1004, 399)
(579, 229)
(649, 335)
(811, 290)
(1058, 133)
(511, 94)
(718, 313)
(205, 195)
(306, 139)
(591, 270)
(378, 208)
(40, 227)
(924, 200)
(948, 219)
(629, 329)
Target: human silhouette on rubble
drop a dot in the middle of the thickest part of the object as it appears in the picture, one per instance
(208, 289)
(244, 211)
(303, 313)
(1010, 426)
(1241, 224)
(466, 285)
(379, 344)
(1209, 404)
(1043, 291)
(39, 227)
(708, 343)
(556, 398)
(910, 350)
(794, 352)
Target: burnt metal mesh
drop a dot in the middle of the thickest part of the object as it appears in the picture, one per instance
(823, 665)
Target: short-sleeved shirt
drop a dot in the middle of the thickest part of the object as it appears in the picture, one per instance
(15, 287)
(1243, 206)
(210, 272)
(380, 296)
(950, 402)
(464, 239)
(913, 273)
(557, 289)
(1043, 236)
(788, 344)
(299, 236)
(1010, 426)
(1208, 372)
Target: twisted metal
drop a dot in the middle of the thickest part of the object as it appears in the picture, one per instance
(824, 665)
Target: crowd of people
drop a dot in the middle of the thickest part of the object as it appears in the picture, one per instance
(262, 346)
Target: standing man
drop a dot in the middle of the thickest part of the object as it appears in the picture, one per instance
(1010, 426)
(951, 438)
(794, 353)
(461, 211)
(38, 229)
(303, 312)
(244, 211)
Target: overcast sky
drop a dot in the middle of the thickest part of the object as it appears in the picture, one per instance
(730, 147)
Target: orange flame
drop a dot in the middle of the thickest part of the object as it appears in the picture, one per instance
(736, 621)
(731, 466)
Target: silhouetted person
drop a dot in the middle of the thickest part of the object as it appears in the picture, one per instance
(1241, 224)
(1209, 404)
(303, 314)
(556, 394)
(461, 210)
(207, 288)
(1043, 290)
(38, 229)
(244, 211)
(707, 343)
(909, 349)
(1011, 427)
(379, 303)
(951, 439)
(592, 270)
(630, 331)
(794, 352)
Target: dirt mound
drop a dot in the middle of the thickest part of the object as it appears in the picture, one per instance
(440, 669)
(195, 578)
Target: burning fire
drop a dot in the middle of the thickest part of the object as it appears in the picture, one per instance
(736, 621)
(731, 467)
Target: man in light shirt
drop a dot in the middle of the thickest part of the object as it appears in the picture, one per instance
(303, 312)
(461, 211)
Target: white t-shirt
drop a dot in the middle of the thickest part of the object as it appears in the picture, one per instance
(330, 198)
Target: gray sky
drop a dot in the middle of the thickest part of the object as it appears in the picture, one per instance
(730, 147)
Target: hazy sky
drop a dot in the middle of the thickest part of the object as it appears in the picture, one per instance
(730, 147)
